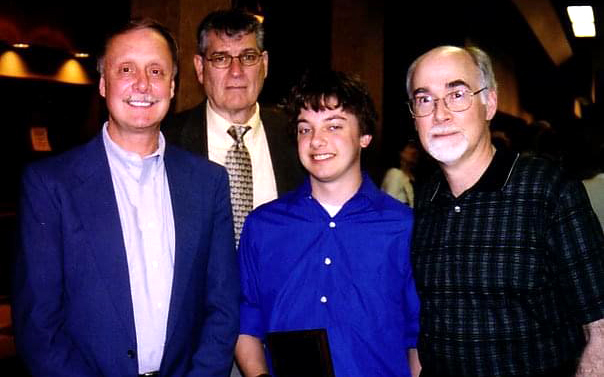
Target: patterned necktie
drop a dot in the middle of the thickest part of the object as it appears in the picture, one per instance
(239, 167)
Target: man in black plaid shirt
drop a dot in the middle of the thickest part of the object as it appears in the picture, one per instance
(508, 254)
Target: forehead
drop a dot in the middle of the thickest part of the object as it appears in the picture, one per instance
(140, 45)
(437, 70)
(219, 41)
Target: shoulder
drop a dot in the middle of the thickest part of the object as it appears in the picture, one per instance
(84, 158)
(385, 206)
(539, 174)
(393, 173)
(184, 125)
(176, 155)
(272, 114)
(286, 209)
(275, 122)
(532, 164)
(183, 117)
(282, 205)
(395, 207)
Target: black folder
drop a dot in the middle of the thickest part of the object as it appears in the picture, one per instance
(301, 353)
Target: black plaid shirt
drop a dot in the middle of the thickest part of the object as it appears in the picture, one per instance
(508, 272)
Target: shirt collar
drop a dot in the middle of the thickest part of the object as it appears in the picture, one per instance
(139, 167)
(494, 178)
(368, 189)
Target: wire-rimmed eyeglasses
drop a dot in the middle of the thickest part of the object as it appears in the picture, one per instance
(458, 100)
(248, 58)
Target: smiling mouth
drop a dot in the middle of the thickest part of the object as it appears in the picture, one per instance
(140, 103)
(322, 156)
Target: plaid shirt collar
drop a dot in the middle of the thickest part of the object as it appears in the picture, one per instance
(494, 178)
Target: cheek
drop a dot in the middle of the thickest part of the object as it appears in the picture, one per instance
(422, 128)
(303, 144)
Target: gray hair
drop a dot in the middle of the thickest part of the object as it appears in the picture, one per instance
(232, 23)
(480, 59)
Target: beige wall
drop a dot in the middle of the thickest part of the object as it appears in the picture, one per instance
(358, 44)
(182, 17)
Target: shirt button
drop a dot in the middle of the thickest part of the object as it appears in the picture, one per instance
(332, 224)
(327, 261)
(131, 354)
(457, 209)
(323, 299)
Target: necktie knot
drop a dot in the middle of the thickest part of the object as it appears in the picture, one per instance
(237, 133)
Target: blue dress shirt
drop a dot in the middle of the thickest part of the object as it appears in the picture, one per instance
(350, 274)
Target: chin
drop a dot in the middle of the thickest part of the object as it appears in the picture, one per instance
(448, 154)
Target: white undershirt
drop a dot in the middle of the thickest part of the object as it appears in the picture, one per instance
(331, 209)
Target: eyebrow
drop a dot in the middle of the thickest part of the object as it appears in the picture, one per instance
(456, 83)
(333, 117)
(449, 85)
(244, 51)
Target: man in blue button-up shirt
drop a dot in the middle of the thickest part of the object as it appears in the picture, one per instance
(334, 254)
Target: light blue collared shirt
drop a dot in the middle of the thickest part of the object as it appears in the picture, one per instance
(145, 208)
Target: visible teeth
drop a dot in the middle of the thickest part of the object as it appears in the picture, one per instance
(323, 156)
(140, 103)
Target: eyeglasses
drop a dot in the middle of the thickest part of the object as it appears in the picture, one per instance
(459, 100)
(247, 59)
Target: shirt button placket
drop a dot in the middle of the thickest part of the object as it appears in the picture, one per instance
(327, 262)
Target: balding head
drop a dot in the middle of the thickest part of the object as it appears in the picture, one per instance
(479, 58)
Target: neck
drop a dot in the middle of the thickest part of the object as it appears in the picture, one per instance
(240, 116)
(142, 143)
(465, 173)
(335, 193)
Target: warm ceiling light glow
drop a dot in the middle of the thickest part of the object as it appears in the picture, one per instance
(21, 45)
(81, 54)
(582, 18)
(72, 72)
(259, 18)
(12, 65)
(582, 13)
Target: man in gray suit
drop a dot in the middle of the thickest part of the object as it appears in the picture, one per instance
(232, 64)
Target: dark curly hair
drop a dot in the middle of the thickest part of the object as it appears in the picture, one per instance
(325, 89)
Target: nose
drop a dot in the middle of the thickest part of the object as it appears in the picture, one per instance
(441, 113)
(236, 69)
(317, 139)
(142, 82)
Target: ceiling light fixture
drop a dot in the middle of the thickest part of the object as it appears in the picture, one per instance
(582, 18)
(21, 45)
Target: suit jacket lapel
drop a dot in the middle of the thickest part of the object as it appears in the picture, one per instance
(185, 216)
(95, 199)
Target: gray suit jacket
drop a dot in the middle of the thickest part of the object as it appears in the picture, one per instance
(188, 129)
